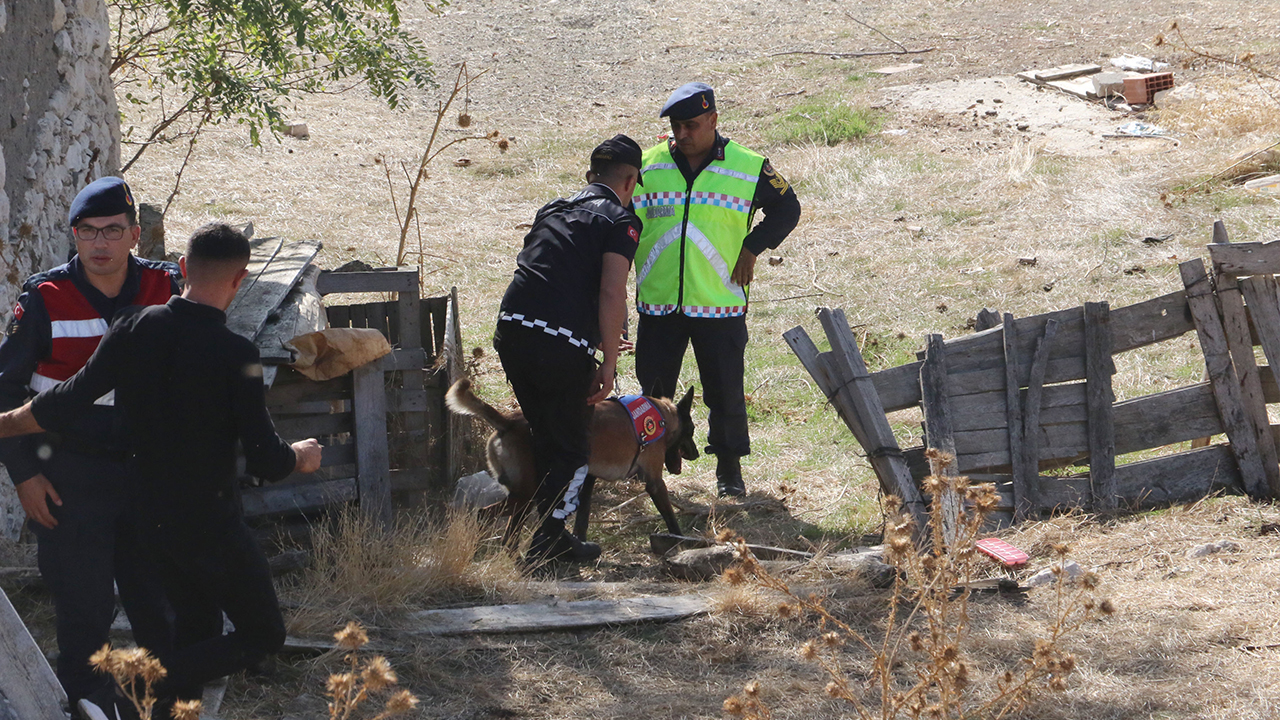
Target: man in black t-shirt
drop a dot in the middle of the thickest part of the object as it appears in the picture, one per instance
(567, 299)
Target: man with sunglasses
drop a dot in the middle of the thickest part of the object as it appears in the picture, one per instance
(73, 485)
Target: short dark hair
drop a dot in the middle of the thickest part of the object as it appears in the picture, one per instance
(217, 241)
(216, 252)
(609, 169)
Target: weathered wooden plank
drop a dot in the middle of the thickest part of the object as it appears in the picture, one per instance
(989, 411)
(1013, 417)
(291, 388)
(1236, 324)
(1222, 377)
(279, 499)
(1251, 258)
(393, 280)
(853, 383)
(895, 478)
(1031, 429)
(372, 455)
(1157, 482)
(27, 682)
(375, 317)
(1141, 423)
(986, 319)
(262, 293)
(455, 369)
(1262, 294)
(339, 315)
(939, 431)
(359, 316)
(556, 615)
(1101, 423)
(301, 427)
(1132, 327)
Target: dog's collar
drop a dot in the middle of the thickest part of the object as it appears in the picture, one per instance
(646, 418)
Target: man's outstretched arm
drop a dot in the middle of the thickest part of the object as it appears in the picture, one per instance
(19, 421)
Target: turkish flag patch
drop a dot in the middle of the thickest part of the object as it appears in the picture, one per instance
(634, 235)
(17, 311)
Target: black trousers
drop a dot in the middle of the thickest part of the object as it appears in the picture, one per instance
(552, 381)
(210, 566)
(719, 346)
(96, 544)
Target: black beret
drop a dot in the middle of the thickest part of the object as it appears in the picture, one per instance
(103, 198)
(689, 101)
(619, 149)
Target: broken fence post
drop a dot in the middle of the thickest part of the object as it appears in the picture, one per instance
(939, 431)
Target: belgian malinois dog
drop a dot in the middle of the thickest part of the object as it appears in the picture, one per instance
(616, 454)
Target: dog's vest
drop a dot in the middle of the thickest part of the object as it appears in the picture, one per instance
(646, 419)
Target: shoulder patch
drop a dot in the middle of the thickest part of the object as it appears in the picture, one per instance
(767, 169)
(17, 311)
(632, 233)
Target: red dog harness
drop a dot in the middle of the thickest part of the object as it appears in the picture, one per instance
(646, 419)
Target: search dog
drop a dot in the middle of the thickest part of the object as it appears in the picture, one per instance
(616, 454)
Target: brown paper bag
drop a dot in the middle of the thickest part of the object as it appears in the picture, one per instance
(334, 352)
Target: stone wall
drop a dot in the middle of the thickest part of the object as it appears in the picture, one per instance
(59, 130)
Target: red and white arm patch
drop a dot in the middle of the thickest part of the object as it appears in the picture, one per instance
(17, 311)
(633, 234)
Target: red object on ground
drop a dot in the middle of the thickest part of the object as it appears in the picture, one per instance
(1002, 552)
(1142, 90)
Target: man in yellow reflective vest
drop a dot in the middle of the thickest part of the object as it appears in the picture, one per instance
(695, 262)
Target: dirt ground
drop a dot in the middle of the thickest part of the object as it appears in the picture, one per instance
(911, 230)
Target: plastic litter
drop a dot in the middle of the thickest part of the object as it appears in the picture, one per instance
(1137, 63)
(1141, 129)
(1270, 183)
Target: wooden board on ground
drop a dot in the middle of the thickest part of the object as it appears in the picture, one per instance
(663, 543)
(556, 616)
(27, 683)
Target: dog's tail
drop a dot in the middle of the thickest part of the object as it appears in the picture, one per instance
(461, 400)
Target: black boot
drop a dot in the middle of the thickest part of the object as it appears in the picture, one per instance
(548, 545)
(729, 477)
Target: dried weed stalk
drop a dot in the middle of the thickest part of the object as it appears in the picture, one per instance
(409, 217)
(137, 671)
(349, 690)
(919, 667)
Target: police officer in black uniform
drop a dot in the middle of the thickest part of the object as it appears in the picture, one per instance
(568, 299)
(74, 485)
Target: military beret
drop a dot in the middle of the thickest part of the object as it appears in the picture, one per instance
(689, 101)
(103, 198)
(619, 149)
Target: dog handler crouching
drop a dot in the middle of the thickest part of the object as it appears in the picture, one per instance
(568, 297)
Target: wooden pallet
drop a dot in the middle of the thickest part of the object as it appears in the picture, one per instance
(1029, 394)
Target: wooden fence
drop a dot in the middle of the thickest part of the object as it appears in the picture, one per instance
(384, 427)
(1032, 394)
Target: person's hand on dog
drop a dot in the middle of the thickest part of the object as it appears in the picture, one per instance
(602, 385)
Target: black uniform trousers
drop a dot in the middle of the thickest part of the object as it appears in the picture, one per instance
(552, 381)
(96, 544)
(209, 566)
(719, 346)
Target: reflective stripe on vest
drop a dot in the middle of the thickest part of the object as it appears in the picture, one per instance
(692, 235)
(76, 327)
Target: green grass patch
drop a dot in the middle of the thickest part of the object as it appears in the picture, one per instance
(826, 123)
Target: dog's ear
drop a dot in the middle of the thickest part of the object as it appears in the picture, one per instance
(686, 403)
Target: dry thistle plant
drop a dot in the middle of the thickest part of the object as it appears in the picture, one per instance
(918, 665)
(409, 217)
(348, 690)
(137, 671)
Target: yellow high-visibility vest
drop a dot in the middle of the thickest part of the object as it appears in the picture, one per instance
(693, 233)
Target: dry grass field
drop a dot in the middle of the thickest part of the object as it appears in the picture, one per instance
(912, 228)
